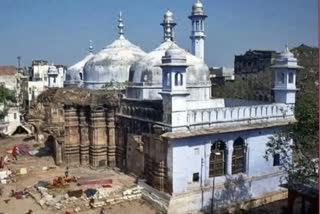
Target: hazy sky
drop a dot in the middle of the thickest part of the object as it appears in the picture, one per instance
(59, 30)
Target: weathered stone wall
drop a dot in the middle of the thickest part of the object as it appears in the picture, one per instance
(89, 130)
(135, 156)
(80, 124)
(155, 155)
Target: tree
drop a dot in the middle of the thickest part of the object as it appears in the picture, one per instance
(7, 98)
(302, 168)
(302, 165)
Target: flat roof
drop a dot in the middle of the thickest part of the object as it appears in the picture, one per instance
(226, 129)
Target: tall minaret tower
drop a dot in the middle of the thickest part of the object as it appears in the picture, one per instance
(197, 35)
(285, 70)
(168, 26)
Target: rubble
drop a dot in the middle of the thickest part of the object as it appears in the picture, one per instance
(5, 174)
(100, 187)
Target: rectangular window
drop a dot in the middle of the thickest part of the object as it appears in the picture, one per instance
(291, 78)
(195, 177)
(276, 160)
(15, 116)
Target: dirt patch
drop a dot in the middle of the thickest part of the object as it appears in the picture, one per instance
(43, 169)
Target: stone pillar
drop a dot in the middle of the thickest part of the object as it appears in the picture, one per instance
(97, 138)
(120, 147)
(111, 147)
(84, 135)
(72, 139)
(58, 152)
(159, 175)
(229, 151)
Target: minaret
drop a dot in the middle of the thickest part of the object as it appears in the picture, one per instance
(285, 70)
(120, 26)
(168, 25)
(174, 91)
(197, 35)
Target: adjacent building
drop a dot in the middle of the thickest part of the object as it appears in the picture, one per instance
(252, 62)
(220, 75)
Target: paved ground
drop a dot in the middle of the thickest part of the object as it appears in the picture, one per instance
(34, 165)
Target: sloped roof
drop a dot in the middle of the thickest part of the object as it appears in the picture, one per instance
(7, 70)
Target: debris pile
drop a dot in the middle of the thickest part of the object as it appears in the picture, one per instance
(80, 199)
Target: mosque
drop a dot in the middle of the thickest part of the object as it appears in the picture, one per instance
(190, 151)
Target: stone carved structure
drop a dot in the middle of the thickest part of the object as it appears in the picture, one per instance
(79, 133)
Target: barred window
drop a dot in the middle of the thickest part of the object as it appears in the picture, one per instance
(217, 161)
(238, 156)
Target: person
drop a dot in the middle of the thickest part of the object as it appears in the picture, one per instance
(15, 152)
(66, 173)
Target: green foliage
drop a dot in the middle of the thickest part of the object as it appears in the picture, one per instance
(245, 89)
(115, 85)
(304, 133)
(7, 98)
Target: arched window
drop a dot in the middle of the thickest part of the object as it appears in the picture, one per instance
(178, 79)
(238, 156)
(80, 76)
(168, 79)
(217, 162)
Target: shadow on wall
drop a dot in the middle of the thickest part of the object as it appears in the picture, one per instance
(48, 148)
(233, 193)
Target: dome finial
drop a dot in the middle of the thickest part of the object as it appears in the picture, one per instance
(90, 46)
(168, 25)
(287, 48)
(120, 26)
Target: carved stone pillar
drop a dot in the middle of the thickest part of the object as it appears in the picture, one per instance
(72, 139)
(229, 152)
(84, 135)
(120, 147)
(58, 152)
(111, 147)
(159, 175)
(97, 137)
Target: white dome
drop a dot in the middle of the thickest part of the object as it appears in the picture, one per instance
(197, 8)
(147, 69)
(147, 72)
(112, 63)
(74, 74)
(168, 17)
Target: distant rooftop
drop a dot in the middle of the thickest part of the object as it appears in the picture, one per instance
(7, 70)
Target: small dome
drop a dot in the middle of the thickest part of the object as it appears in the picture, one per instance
(111, 64)
(74, 74)
(168, 17)
(286, 53)
(197, 8)
(174, 51)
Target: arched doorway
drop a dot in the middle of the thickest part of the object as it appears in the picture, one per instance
(217, 159)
